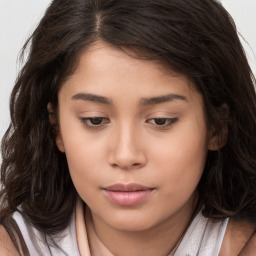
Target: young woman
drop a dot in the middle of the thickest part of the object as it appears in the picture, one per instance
(132, 133)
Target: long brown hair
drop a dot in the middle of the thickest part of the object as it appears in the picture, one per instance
(197, 38)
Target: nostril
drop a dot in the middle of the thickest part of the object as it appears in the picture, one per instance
(126, 166)
(125, 154)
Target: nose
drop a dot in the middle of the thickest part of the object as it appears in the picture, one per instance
(127, 149)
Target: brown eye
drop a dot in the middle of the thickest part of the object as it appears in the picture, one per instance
(162, 122)
(94, 122)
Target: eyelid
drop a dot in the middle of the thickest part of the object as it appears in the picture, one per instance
(164, 117)
(162, 114)
(87, 122)
(92, 113)
(170, 120)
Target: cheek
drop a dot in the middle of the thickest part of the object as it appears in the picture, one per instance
(82, 148)
(84, 156)
(84, 159)
(182, 157)
(84, 169)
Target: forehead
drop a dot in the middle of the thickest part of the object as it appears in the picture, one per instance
(103, 67)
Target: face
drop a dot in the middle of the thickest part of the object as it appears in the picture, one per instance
(135, 138)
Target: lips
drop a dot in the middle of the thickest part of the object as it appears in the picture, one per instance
(127, 194)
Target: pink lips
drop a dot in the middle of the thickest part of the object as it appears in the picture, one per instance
(126, 195)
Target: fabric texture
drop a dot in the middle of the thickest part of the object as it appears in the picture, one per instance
(203, 237)
(38, 244)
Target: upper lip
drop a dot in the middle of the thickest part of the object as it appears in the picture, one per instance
(127, 187)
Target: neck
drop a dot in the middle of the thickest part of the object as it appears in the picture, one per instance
(162, 239)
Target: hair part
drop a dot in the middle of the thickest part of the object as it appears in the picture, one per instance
(197, 38)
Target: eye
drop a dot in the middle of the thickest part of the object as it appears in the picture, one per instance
(94, 122)
(162, 122)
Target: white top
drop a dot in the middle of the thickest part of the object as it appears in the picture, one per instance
(39, 244)
(203, 237)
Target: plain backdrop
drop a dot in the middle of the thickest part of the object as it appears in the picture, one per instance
(18, 18)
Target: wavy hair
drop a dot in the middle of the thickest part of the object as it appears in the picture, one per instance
(197, 38)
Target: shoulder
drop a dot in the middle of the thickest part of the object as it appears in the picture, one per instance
(238, 233)
(6, 245)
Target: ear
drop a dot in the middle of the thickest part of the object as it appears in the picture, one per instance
(219, 135)
(55, 126)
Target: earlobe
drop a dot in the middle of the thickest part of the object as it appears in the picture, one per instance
(217, 141)
(55, 127)
(59, 143)
(219, 135)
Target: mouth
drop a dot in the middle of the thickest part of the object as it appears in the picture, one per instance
(127, 194)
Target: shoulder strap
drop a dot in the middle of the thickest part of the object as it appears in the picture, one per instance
(15, 234)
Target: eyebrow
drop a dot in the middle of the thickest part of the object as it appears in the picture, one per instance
(162, 99)
(92, 98)
(143, 101)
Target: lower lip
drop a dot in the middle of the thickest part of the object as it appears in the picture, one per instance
(127, 198)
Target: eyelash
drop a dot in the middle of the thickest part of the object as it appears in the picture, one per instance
(167, 122)
(88, 122)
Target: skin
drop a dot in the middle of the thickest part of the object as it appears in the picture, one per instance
(7, 248)
(133, 148)
(250, 247)
(237, 234)
(161, 144)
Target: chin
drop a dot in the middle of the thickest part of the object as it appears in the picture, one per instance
(131, 222)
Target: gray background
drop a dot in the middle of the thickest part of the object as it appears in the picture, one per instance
(18, 18)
